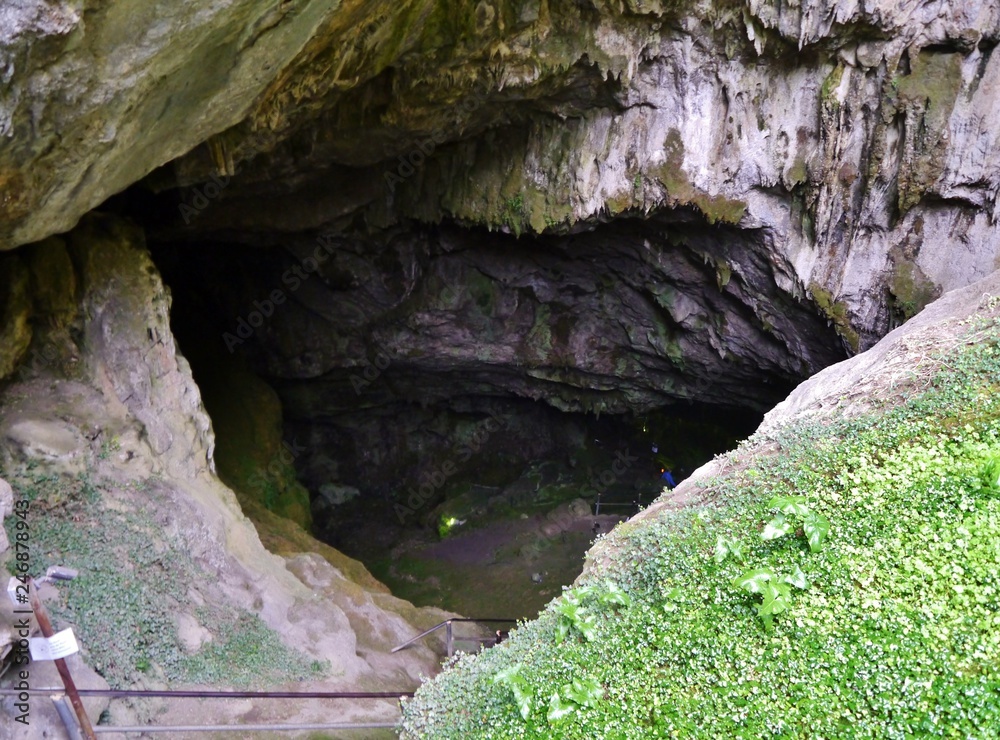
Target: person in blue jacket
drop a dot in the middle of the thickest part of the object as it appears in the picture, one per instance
(667, 477)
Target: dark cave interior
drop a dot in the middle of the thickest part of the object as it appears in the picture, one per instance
(420, 382)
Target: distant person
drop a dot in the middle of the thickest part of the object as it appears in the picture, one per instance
(667, 477)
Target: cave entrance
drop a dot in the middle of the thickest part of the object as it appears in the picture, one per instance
(482, 505)
(447, 404)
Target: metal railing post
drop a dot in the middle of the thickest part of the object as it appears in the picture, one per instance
(68, 720)
(46, 627)
(451, 649)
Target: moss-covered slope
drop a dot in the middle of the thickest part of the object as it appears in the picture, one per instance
(700, 620)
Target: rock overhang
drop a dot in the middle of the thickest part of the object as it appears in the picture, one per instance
(759, 189)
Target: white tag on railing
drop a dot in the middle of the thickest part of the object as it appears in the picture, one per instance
(59, 645)
(18, 598)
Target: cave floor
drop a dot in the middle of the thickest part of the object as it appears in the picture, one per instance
(499, 553)
(507, 569)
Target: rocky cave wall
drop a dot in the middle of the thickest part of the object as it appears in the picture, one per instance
(855, 137)
(458, 206)
(392, 354)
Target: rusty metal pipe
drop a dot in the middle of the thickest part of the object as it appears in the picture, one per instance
(71, 691)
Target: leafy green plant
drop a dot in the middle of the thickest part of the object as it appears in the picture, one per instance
(607, 593)
(514, 205)
(574, 617)
(794, 512)
(724, 547)
(512, 213)
(775, 590)
(989, 472)
(109, 447)
(578, 617)
(580, 693)
(518, 685)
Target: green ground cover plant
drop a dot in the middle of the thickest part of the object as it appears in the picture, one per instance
(873, 546)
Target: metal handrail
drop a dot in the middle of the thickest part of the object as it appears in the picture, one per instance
(449, 637)
(108, 729)
(186, 694)
(637, 503)
(73, 729)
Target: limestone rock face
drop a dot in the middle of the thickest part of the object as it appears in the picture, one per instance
(104, 398)
(701, 201)
(96, 95)
(851, 387)
(850, 142)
